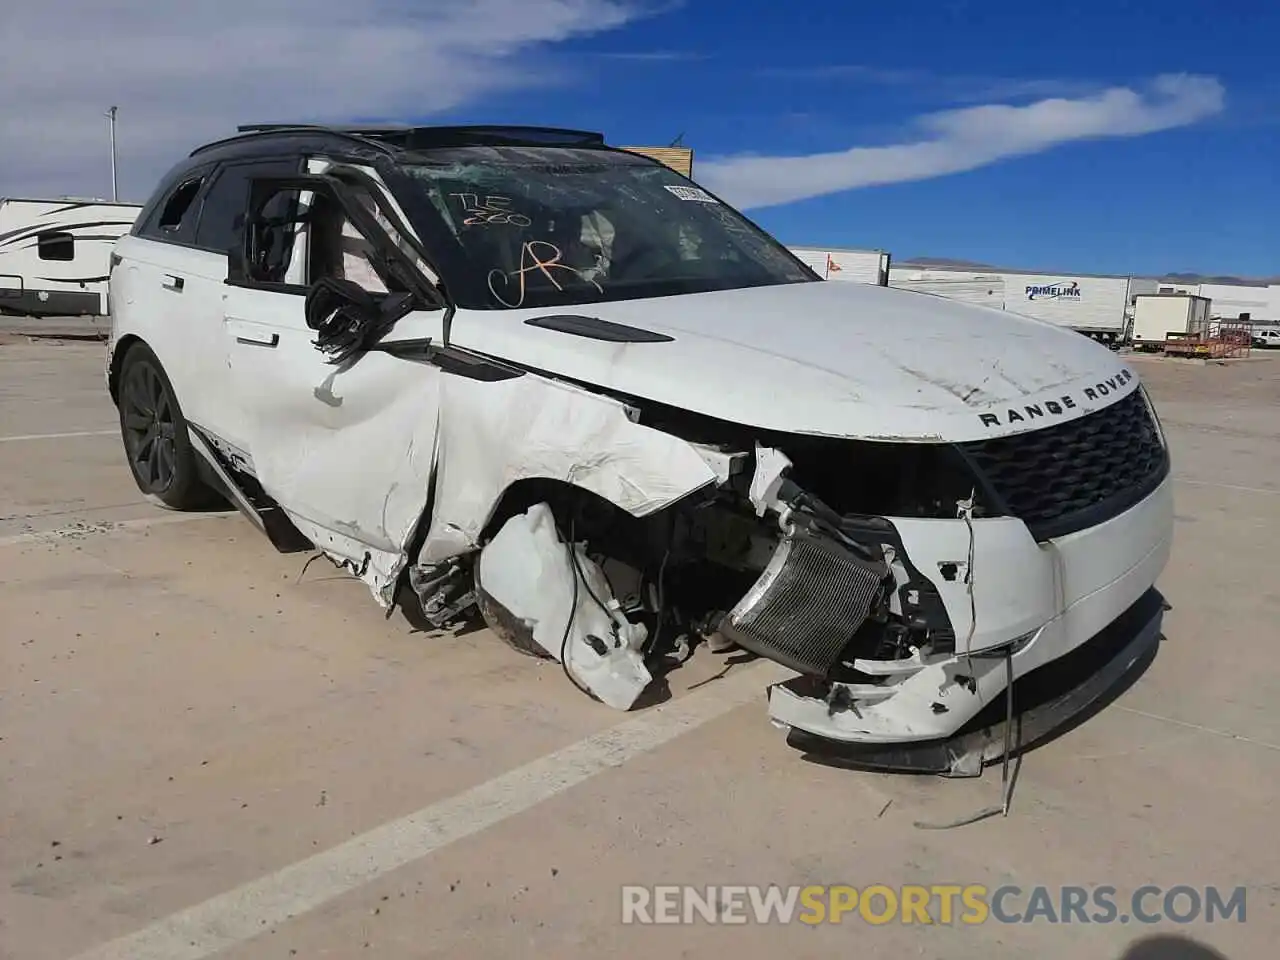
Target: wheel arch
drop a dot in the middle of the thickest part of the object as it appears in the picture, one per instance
(568, 501)
(509, 444)
(116, 364)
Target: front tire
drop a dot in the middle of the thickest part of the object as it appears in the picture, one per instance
(154, 432)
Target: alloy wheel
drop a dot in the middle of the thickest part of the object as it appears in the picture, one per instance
(149, 427)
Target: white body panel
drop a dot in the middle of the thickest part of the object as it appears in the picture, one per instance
(1157, 316)
(318, 434)
(853, 266)
(180, 290)
(833, 359)
(55, 254)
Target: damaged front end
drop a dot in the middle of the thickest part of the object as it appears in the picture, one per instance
(892, 577)
(753, 561)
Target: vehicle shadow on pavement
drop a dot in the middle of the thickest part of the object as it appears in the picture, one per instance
(1170, 947)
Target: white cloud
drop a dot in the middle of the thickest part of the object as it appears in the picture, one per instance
(184, 71)
(957, 140)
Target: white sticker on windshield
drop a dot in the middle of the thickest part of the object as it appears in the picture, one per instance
(691, 193)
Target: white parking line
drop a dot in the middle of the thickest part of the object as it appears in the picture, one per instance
(1212, 731)
(1226, 486)
(23, 437)
(251, 910)
(90, 527)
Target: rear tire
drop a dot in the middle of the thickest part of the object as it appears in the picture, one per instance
(156, 443)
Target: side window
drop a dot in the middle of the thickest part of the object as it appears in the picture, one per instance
(222, 213)
(174, 218)
(56, 245)
(270, 247)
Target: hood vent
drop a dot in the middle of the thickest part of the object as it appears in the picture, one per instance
(597, 329)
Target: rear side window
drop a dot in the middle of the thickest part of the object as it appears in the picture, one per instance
(174, 219)
(222, 212)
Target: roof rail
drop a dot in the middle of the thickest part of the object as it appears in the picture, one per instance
(252, 132)
(409, 137)
(322, 127)
(393, 137)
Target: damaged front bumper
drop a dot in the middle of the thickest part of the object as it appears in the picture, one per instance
(1048, 699)
(1035, 603)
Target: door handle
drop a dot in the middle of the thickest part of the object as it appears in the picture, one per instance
(173, 282)
(259, 340)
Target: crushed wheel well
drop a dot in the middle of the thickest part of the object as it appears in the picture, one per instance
(589, 511)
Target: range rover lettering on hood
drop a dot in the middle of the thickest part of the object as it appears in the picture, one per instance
(1059, 407)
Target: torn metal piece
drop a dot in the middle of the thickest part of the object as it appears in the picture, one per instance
(725, 463)
(770, 466)
(527, 570)
(444, 591)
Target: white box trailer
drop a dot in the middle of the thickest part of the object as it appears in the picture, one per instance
(856, 266)
(55, 255)
(1091, 305)
(1094, 306)
(1157, 316)
(983, 289)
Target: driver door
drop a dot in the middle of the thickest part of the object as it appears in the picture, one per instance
(346, 450)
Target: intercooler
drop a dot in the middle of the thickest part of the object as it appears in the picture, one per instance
(807, 604)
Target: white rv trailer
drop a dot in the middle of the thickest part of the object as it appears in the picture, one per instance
(856, 266)
(55, 254)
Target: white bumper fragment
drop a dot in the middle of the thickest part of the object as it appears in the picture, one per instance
(526, 567)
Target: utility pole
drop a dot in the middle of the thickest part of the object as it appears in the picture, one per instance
(115, 188)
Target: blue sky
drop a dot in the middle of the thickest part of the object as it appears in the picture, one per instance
(1098, 136)
(1202, 197)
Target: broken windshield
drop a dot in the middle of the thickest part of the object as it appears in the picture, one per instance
(514, 227)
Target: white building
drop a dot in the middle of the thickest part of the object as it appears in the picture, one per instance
(1255, 302)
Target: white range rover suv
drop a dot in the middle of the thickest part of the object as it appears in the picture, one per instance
(519, 374)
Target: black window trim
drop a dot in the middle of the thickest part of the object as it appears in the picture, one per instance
(362, 219)
(212, 177)
(207, 174)
(269, 286)
(150, 229)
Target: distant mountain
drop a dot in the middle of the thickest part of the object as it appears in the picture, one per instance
(949, 263)
(1205, 278)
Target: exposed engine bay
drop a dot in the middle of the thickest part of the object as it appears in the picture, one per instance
(755, 563)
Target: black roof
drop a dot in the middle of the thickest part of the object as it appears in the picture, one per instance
(392, 138)
(365, 143)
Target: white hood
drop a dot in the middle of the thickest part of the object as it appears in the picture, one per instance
(826, 358)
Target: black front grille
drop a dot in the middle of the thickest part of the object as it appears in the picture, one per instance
(1077, 474)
